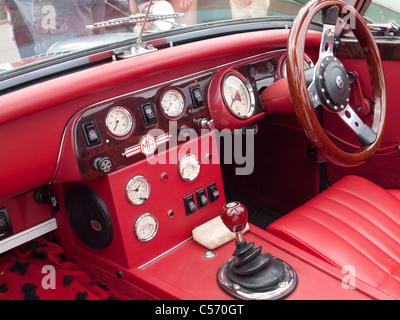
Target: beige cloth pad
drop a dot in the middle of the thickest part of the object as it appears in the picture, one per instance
(213, 234)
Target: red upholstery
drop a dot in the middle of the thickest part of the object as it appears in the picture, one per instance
(354, 223)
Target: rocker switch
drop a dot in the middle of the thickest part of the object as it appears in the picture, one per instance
(197, 98)
(213, 193)
(201, 198)
(91, 133)
(190, 206)
(148, 114)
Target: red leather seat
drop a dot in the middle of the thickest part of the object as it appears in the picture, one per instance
(354, 223)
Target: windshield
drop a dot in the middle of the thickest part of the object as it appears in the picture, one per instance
(33, 31)
(382, 11)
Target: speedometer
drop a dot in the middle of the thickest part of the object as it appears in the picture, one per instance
(172, 104)
(238, 96)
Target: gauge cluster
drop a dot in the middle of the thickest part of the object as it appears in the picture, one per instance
(126, 129)
(130, 128)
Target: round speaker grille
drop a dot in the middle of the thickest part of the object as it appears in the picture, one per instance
(89, 217)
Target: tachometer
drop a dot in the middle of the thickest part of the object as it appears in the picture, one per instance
(238, 96)
(172, 104)
(119, 121)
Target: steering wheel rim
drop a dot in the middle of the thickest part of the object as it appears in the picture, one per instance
(299, 91)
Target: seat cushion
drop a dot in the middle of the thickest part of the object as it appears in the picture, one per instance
(355, 224)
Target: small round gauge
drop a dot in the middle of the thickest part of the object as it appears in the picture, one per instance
(238, 96)
(146, 227)
(189, 167)
(119, 121)
(137, 190)
(172, 104)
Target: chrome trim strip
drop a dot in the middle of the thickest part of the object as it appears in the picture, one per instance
(27, 235)
(164, 253)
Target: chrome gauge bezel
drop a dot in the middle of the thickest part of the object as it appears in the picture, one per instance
(181, 102)
(130, 124)
(181, 167)
(282, 72)
(139, 227)
(248, 91)
(129, 184)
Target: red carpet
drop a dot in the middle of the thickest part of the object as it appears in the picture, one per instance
(37, 271)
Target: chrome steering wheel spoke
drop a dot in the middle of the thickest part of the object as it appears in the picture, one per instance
(327, 41)
(363, 132)
(314, 96)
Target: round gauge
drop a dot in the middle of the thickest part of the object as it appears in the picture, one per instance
(307, 63)
(119, 121)
(137, 190)
(238, 96)
(172, 104)
(189, 167)
(146, 227)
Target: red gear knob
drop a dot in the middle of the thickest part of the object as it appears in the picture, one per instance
(234, 215)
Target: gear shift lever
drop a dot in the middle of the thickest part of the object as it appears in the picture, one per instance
(252, 274)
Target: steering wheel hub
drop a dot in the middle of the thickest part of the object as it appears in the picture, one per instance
(333, 84)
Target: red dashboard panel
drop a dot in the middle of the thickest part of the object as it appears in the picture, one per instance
(166, 202)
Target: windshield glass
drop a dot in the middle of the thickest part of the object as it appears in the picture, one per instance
(35, 30)
(382, 11)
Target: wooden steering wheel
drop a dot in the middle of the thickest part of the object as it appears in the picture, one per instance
(330, 86)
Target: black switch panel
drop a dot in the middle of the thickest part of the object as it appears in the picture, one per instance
(91, 133)
(213, 193)
(197, 98)
(5, 224)
(190, 206)
(149, 117)
(201, 198)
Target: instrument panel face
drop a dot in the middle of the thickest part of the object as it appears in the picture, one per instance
(132, 127)
(128, 128)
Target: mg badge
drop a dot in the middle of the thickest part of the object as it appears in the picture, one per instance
(148, 145)
(339, 82)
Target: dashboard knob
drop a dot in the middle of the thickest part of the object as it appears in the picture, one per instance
(103, 164)
(204, 123)
(234, 215)
(211, 124)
